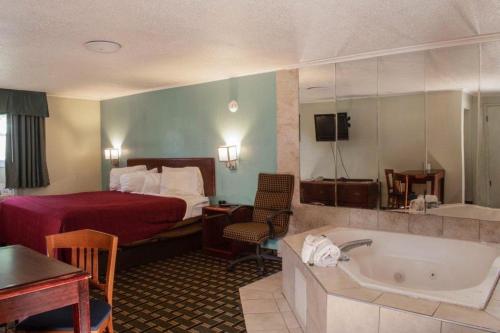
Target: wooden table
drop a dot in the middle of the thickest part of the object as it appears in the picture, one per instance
(434, 176)
(31, 283)
(214, 219)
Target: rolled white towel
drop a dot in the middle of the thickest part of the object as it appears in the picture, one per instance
(327, 254)
(308, 248)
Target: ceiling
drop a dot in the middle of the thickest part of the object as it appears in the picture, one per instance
(180, 42)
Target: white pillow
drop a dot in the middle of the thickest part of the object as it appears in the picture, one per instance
(115, 174)
(152, 183)
(179, 181)
(199, 185)
(134, 181)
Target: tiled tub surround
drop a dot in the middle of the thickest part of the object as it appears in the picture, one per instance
(328, 300)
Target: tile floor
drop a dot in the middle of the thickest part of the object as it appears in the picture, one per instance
(265, 309)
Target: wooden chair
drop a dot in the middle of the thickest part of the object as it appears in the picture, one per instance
(267, 219)
(389, 179)
(400, 190)
(85, 246)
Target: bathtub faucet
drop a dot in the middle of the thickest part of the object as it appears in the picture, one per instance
(348, 246)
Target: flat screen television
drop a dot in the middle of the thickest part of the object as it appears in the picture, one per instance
(325, 126)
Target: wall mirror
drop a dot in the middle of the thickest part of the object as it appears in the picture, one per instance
(382, 133)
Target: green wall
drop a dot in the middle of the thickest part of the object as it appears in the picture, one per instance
(193, 121)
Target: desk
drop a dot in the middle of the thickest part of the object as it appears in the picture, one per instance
(31, 283)
(435, 177)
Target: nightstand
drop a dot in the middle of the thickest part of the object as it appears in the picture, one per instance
(214, 219)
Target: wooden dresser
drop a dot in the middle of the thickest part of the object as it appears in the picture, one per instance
(356, 193)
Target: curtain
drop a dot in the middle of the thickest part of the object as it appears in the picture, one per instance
(25, 160)
(21, 102)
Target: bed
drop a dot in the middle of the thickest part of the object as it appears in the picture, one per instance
(149, 227)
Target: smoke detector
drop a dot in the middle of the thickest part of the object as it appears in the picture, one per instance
(102, 46)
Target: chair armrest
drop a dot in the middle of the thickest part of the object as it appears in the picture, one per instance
(272, 216)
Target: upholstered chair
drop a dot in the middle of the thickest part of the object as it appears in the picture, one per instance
(267, 219)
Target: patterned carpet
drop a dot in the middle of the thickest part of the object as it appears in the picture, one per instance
(188, 293)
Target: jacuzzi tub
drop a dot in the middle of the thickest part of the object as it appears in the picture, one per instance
(452, 271)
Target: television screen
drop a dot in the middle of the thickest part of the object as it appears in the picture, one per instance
(343, 126)
(325, 126)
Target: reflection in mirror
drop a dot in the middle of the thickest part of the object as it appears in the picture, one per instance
(452, 85)
(317, 147)
(415, 124)
(486, 180)
(356, 88)
(402, 128)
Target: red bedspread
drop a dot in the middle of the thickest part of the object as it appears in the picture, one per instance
(27, 220)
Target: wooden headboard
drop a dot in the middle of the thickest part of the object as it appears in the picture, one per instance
(206, 165)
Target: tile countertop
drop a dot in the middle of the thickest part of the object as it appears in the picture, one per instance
(335, 282)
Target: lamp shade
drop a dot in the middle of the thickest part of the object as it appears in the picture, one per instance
(111, 153)
(107, 153)
(228, 153)
(233, 153)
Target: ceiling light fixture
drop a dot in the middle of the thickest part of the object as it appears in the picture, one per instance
(102, 46)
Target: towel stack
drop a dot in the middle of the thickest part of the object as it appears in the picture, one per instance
(320, 251)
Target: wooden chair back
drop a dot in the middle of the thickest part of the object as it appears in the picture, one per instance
(400, 186)
(85, 246)
(389, 179)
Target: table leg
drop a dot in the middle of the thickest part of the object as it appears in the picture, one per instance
(81, 310)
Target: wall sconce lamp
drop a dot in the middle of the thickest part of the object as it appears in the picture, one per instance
(229, 155)
(112, 154)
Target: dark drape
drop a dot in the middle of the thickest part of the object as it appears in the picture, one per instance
(25, 160)
(21, 102)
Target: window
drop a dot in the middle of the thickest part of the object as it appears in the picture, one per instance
(3, 138)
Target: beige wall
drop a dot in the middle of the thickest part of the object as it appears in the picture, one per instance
(73, 147)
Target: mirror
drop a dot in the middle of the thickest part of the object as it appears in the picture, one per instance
(356, 89)
(484, 186)
(317, 153)
(382, 132)
(401, 128)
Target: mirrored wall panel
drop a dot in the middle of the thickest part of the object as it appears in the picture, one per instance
(414, 132)
(401, 128)
(317, 134)
(356, 90)
(484, 185)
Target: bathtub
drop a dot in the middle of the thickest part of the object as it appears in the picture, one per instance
(467, 211)
(437, 269)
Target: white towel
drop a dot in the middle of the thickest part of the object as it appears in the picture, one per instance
(308, 249)
(320, 251)
(327, 254)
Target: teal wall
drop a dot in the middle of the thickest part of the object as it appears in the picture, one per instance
(193, 121)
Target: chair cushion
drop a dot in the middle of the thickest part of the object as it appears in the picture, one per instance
(250, 232)
(62, 319)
